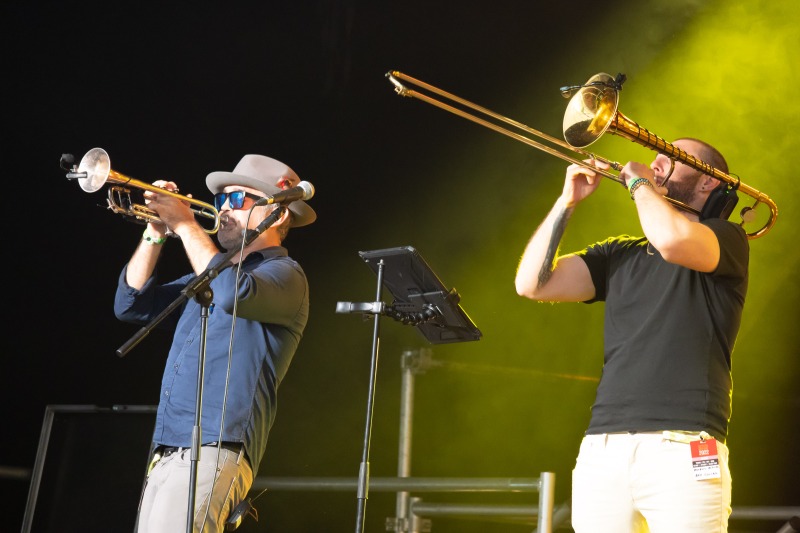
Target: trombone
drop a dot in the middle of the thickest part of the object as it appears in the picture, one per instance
(95, 170)
(591, 112)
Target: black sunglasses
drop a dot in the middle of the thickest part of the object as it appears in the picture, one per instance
(236, 199)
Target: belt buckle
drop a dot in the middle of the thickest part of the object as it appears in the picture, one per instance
(166, 451)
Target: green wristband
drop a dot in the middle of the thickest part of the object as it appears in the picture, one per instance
(638, 182)
(149, 239)
(634, 182)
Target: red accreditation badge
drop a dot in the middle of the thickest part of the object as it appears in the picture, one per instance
(705, 462)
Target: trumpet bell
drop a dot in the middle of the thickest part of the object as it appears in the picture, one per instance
(97, 166)
(590, 111)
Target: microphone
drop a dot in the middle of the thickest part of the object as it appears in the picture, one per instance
(67, 160)
(303, 191)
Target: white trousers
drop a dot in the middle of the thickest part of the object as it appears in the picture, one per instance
(644, 482)
(165, 502)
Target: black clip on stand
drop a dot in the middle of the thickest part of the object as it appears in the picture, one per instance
(200, 289)
(420, 300)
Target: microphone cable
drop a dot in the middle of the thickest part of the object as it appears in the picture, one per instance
(228, 367)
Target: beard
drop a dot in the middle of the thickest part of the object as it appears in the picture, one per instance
(230, 235)
(683, 191)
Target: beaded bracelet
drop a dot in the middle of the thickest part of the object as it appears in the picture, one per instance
(149, 239)
(638, 182)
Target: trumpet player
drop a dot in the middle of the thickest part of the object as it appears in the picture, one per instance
(654, 457)
(263, 299)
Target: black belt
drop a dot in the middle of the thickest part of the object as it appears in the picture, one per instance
(166, 451)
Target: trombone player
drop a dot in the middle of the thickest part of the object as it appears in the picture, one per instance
(654, 457)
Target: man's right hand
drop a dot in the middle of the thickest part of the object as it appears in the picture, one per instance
(171, 211)
(581, 181)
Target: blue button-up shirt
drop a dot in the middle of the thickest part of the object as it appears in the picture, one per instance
(272, 312)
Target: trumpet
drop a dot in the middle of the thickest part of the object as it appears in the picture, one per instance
(592, 112)
(95, 170)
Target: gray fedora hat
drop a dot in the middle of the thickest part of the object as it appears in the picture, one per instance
(267, 175)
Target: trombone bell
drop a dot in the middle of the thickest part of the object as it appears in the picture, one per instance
(590, 111)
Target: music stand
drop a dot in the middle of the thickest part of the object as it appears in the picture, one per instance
(420, 299)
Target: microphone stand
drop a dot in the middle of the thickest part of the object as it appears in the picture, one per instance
(199, 288)
(363, 472)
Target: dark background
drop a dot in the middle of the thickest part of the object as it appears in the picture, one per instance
(177, 90)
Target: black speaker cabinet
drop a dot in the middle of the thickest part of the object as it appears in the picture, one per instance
(89, 468)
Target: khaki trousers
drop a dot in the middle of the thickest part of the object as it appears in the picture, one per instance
(165, 501)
